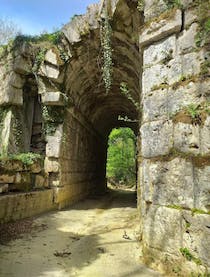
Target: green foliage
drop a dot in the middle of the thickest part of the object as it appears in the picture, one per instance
(38, 60)
(140, 5)
(107, 68)
(186, 253)
(173, 4)
(125, 90)
(193, 111)
(121, 165)
(202, 37)
(52, 117)
(26, 158)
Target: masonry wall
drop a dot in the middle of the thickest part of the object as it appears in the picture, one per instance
(174, 165)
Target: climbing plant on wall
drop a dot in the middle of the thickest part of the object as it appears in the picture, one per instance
(105, 35)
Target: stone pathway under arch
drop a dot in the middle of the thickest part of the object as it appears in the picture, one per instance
(94, 238)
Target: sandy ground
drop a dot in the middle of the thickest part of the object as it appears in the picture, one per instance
(94, 238)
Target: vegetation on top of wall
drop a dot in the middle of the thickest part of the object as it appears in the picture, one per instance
(105, 36)
(202, 37)
(26, 158)
(173, 4)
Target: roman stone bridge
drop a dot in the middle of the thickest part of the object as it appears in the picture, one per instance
(123, 63)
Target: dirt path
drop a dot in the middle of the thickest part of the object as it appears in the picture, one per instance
(95, 238)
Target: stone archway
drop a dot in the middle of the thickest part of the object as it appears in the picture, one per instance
(160, 54)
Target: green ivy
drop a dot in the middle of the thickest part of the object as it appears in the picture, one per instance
(105, 35)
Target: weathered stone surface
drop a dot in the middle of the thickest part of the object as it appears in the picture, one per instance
(11, 95)
(161, 29)
(4, 188)
(51, 165)
(191, 63)
(157, 138)
(168, 183)
(6, 178)
(53, 146)
(36, 167)
(162, 229)
(155, 105)
(190, 16)
(196, 237)
(53, 98)
(49, 71)
(160, 52)
(52, 57)
(186, 42)
(183, 96)
(205, 137)
(40, 181)
(187, 138)
(22, 65)
(202, 188)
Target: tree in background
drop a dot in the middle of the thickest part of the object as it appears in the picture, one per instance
(8, 30)
(121, 160)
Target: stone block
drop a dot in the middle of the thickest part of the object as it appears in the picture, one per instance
(196, 237)
(191, 63)
(40, 181)
(202, 188)
(157, 74)
(157, 138)
(7, 178)
(52, 57)
(51, 165)
(162, 229)
(155, 105)
(10, 95)
(36, 167)
(174, 70)
(205, 137)
(153, 8)
(168, 183)
(183, 96)
(53, 147)
(54, 98)
(190, 16)
(158, 30)
(187, 138)
(160, 52)
(15, 80)
(4, 188)
(22, 65)
(50, 71)
(186, 42)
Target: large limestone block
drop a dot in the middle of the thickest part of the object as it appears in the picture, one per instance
(153, 8)
(157, 138)
(160, 52)
(10, 95)
(186, 42)
(53, 147)
(168, 183)
(22, 65)
(191, 63)
(54, 98)
(155, 105)
(205, 137)
(183, 96)
(196, 237)
(162, 229)
(158, 30)
(50, 71)
(51, 165)
(187, 138)
(202, 188)
(52, 57)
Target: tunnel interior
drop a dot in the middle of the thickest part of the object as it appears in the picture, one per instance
(94, 111)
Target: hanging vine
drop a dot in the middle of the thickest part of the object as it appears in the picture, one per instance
(105, 35)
